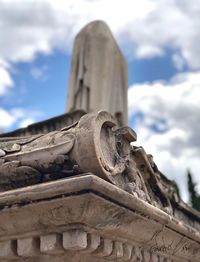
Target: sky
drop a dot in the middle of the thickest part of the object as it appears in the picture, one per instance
(160, 41)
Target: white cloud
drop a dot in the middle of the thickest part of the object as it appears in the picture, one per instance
(172, 24)
(32, 27)
(168, 123)
(17, 117)
(5, 80)
(147, 27)
(6, 119)
(26, 122)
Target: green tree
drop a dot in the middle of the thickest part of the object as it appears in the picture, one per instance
(194, 196)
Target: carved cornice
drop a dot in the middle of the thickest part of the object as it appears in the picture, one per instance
(90, 215)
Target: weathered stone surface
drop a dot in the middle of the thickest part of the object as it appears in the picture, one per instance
(8, 249)
(28, 247)
(75, 240)
(94, 221)
(98, 78)
(2, 153)
(51, 244)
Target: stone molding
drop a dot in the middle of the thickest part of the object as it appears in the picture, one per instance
(89, 214)
(58, 247)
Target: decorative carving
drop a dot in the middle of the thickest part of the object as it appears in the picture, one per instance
(35, 159)
(94, 144)
(79, 242)
(88, 209)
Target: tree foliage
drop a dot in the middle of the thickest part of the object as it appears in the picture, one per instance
(194, 196)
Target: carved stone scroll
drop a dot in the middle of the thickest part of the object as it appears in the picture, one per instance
(90, 146)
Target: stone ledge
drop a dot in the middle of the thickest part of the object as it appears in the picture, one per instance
(98, 210)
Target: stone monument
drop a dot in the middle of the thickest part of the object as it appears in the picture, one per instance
(73, 188)
(98, 78)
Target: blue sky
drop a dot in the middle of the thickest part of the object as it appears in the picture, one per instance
(160, 41)
(40, 85)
